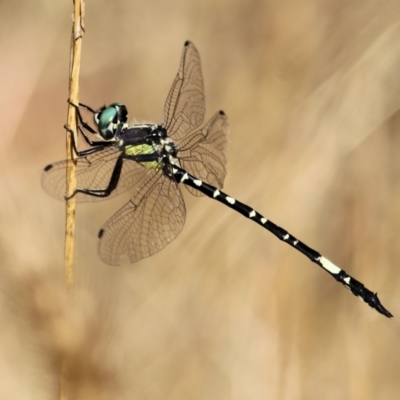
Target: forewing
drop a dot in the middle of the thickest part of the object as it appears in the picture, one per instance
(92, 172)
(146, 224)
(185, 105)
(203, 153)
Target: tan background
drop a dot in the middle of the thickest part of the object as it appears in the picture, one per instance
(226, 311)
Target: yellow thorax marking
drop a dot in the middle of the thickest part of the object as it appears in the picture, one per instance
(132, 150)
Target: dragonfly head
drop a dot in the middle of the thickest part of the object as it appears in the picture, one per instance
(109, 118)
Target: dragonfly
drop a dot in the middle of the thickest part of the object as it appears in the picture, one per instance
(154, 161)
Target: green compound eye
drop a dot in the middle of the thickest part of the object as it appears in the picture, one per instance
(109, 118)
(105, 121)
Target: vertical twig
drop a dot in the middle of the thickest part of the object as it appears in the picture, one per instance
(76, 44)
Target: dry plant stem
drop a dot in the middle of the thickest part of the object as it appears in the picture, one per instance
(76, 43)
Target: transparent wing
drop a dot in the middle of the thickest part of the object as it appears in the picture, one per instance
(92, 172)
(185, 105)
(146, 224)
(203, 153)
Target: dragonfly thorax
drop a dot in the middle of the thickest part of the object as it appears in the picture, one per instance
(164, 146)
(149, 145)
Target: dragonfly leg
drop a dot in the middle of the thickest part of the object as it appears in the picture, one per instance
(115, 176)
(78, 113)
(87, 108)
(98, 146)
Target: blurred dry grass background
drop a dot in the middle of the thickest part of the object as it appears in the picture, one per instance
(312, 91)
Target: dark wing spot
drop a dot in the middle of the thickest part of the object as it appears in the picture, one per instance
(100, 234)
(48, 168)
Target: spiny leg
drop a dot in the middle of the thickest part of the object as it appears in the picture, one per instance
(97, 146)
(78, 113)
(87, 108)
(356, 287)
(115, 176)
(87, 127)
